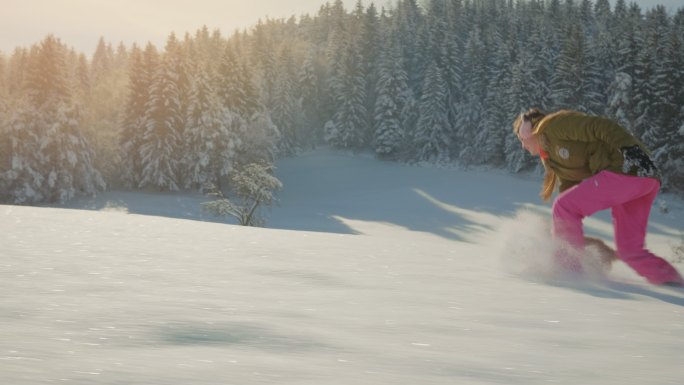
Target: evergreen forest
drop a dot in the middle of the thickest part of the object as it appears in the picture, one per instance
(430, 82)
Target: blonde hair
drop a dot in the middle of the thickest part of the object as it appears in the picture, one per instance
(550, 181)
(535, 115)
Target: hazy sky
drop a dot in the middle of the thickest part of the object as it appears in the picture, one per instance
(81, 23)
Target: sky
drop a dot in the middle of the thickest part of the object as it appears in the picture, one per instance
(81, 23)
(370, 273)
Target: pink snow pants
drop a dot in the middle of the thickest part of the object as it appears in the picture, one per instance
(630, 199)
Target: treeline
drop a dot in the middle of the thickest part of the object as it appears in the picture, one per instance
(436, 82)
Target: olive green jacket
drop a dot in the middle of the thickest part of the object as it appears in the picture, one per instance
(580, 146)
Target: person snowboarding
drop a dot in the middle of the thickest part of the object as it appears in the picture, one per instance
(596, 164)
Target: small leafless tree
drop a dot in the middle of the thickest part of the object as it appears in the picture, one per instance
(251, 187)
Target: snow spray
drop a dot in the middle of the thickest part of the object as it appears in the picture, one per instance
(527, 249)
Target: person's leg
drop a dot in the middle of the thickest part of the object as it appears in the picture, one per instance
(569, 210)
(630, 221)
(602, 191)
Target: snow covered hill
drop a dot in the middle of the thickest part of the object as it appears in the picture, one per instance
(369, 273)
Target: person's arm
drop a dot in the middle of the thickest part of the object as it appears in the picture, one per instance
(574, 126)
(584, 128)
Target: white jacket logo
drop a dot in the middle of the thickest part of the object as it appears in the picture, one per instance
(563, 153)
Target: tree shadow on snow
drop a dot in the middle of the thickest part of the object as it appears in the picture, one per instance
(621, 290)
(322, 187)
(237, 335)
(676, 298)
(428, 207)
(160, 204)
(326, 185)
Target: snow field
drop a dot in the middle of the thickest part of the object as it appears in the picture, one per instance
(387, 274)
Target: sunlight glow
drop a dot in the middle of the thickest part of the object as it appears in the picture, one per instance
(81, 23)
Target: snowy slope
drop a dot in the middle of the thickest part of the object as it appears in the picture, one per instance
(371, 273)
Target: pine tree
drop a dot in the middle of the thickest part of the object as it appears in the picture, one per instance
(287, 109)
(62, 157)
(664, 81)
(368, 41)
(408, 21)
(393, 92)
(310, 96)
(338, 35)
(491, 132)
(83, 83)
(234, 85)
(259, 138)
(623, 87)
(543, 68)
(444, 49)
(101, 95)
(349, 125)
(4, 144)
(573, 84)
(46, 80)
(16, 73)
(603, 50)
(210, 139)
(103, 60)
(453, 77)
(67, 157)
(164, 123)
(3, 76)
(264, 60)
(620, 99)
(253, 124)
(469, 115)
(432, 136)
(141, 73)
(22, 178)
(674, 169)
(662, 133)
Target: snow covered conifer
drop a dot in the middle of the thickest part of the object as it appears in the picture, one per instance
(234, 85)
(259, 138)
(432, 135)
(312, 106)
(573, 82)
(164, 122)
(50, 159)
(408, 21)
(142, 68)
(46, 78)
(469, 114)
(21, 177)
(390, 135)
(103, 60)
(662, 128)
(210, 138)
(251, 122)
(368, 39)
(619, 99)
(286, 110)
(3, 76)
(349, 125)
(490, 132)
(67, 157)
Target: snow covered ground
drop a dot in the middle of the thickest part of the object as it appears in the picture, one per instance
(369, 273)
